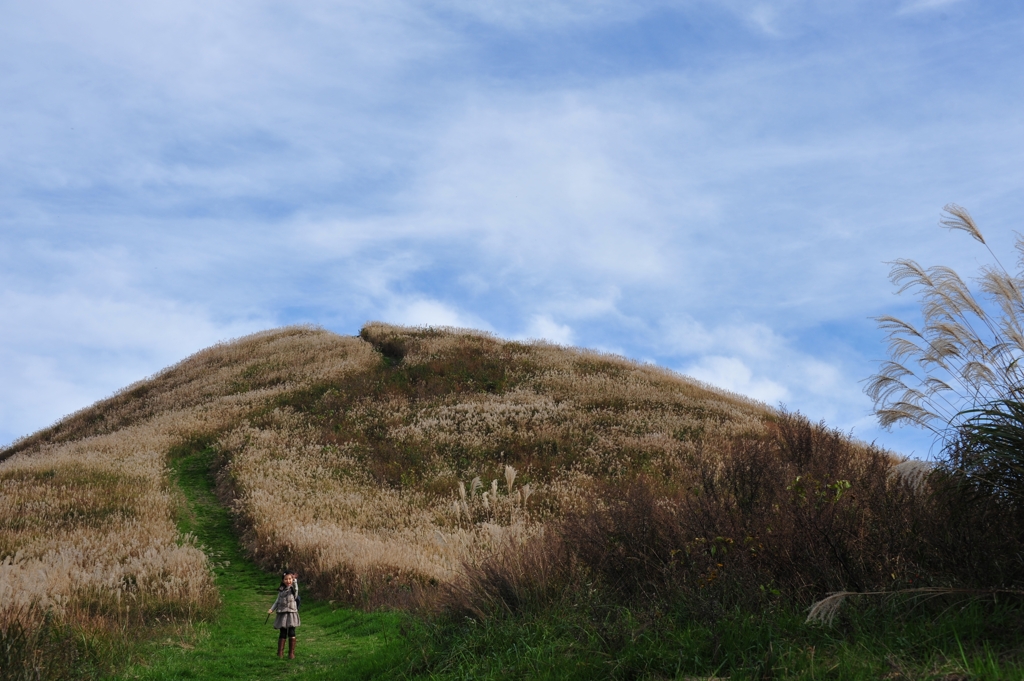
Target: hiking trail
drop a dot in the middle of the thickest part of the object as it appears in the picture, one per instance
(238, 643)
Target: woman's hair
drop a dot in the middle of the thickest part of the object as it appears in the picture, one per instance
(282, 586)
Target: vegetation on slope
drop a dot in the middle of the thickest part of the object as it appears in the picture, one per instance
(90, 554)
(450, 446)
(502, 489)
(239, 643)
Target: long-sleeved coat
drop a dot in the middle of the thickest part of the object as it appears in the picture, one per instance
(286, 608)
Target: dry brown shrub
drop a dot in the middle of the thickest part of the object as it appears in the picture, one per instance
(515, 576)
(789, 517)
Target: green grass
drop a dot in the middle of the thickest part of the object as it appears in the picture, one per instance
(975, 643)
(332, 643)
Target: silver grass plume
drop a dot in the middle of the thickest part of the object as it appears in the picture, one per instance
(825, 610)
(959, 218)
(510, 477)
(965, 355)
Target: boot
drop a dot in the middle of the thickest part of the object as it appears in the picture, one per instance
(280, 647)
(291, 648)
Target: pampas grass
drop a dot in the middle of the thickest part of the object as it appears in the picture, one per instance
(967, 353)
(825, 610)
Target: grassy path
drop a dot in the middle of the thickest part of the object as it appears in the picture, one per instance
(237, 644)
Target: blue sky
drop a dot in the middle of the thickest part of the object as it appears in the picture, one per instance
(714, 186)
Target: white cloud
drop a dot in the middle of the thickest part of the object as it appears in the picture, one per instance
(541, 181)
(685, 335)
(765, 17)
(543, 327)
(752, 359)
(780, 18)
(427, 312)
(733, 374)
(63, 351)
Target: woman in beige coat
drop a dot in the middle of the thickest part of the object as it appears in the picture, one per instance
(287, 610)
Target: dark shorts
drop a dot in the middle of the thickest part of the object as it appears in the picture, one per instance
(287, 632)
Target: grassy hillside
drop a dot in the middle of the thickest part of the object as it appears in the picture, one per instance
(361, 443)
(470, 479)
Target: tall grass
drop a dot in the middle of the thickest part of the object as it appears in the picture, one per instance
(967, 353)
(781, 519)
(88, 540)
(452, 472)
(960, 375)
(448, 446)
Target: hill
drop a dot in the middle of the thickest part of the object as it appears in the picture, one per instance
(448, 471)
(361, 442)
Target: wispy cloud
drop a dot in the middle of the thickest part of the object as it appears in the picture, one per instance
(61, 351)
(714, 185)
(927, 5)
(543, 327)
(426, 312)
(732, 373)
(547, 14)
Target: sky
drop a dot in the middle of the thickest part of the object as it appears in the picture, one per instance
(714, 186)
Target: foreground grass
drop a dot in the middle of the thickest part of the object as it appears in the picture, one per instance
(976, 643)
(238, 644)
(567, 641)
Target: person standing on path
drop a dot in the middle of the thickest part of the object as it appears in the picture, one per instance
(287, 614)
(295, 588)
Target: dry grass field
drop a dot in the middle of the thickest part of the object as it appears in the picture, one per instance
(397, 457)
(408, 469)
(87, 514)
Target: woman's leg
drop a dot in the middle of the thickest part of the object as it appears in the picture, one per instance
(291, 643)
(280, 642)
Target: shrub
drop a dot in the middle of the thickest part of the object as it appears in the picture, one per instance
(988, 451)
(775, 521)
